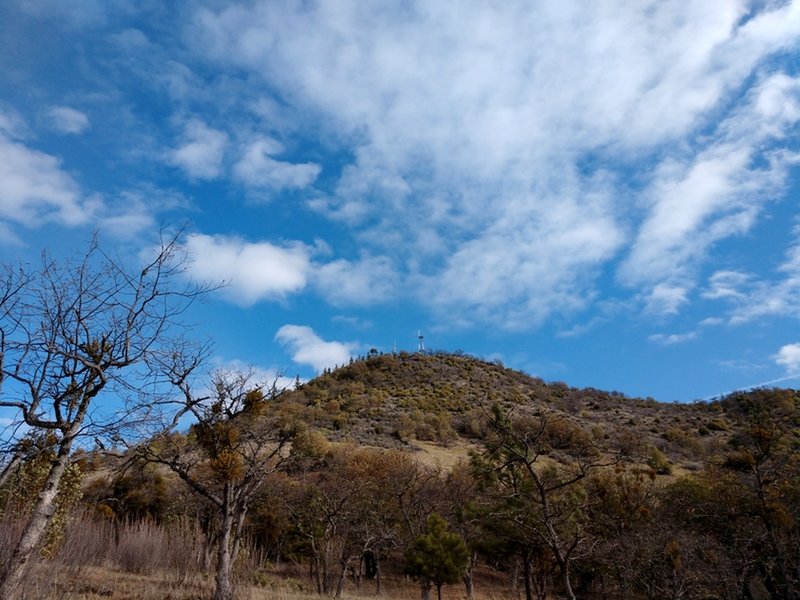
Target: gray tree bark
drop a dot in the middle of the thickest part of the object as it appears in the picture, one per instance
(40, 518)
(224, 586)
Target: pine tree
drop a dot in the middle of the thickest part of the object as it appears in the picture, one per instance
(437, 557)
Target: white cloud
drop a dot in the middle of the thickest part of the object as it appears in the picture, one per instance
(717, 193)
(308, 348)
(788, 357)
(670, 339)
(34, 189)
(711, 322)
(779, 297)
(253, 271)
(68, 120)
(468, 125)
(528, 265)
(258, 169)
(134, 211)
(12, 124)
(365, 281)
(266, 377)
(726, 285)
(666, 299)
(201, 150)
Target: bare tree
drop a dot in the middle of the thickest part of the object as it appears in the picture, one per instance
(234, 443)
(76, 340)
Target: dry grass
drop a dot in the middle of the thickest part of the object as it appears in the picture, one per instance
(48, 581)
(447, 457)
(145, 561)
(96, 583)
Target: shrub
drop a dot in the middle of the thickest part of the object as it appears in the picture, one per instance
(658, 461)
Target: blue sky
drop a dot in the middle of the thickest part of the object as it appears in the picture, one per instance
(601, 193)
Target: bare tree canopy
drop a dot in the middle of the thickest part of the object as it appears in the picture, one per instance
(234, 444)
(77, 343)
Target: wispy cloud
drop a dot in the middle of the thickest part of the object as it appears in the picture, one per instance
(257, 168)
(749, 297)
(35, 189)
(719, 191)
(200, 150)
(666, 299)
(74, 14)
(459, 153)
(670, 339)
(726, 285)
(68, 120)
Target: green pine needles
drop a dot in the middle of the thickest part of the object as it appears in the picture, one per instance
(437, 557)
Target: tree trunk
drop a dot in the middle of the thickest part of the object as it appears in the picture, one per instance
(224, 587)
(236, 539)
(426, 590)
(439, 591)
(10, 468)
(527, 574)
(468, 585)
(342, 577)
(540, 584)
(564, 567)
(40, 518)
(378, 578)
(468, 582)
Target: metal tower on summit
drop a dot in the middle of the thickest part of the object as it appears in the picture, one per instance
(421, 339)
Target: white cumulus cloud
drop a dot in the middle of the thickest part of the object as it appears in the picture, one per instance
(307, 348)
(788, 357)
(252, 271)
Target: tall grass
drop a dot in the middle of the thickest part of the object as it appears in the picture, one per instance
(10, 533)
(174, 552)
(150, 561)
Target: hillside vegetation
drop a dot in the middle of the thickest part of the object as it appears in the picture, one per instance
(392, 400)
(552, 491)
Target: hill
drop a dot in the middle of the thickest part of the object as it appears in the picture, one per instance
(397, 400)
(556, 490)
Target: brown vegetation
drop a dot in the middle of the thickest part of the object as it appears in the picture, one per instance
(556, 491)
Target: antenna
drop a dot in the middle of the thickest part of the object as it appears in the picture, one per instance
(394, 348)
(421, 339)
